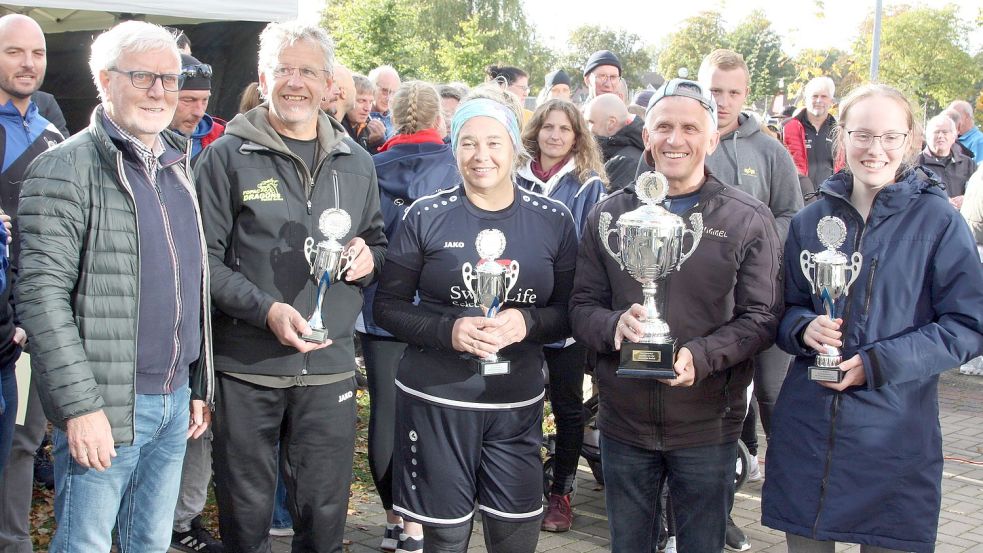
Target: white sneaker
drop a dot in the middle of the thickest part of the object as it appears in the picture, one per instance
(671, 545)
(754, 470)
(281, 532)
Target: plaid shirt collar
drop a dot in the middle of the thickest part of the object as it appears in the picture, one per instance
(149, 156)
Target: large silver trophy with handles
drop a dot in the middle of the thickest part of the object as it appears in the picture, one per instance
(650, 241)
(826, 272)
(328, 261)
(489, 283)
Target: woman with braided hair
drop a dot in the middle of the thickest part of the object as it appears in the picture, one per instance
(412, 164)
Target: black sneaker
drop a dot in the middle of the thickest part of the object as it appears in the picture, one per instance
(409, 545)
(196, 540)
(734, 538)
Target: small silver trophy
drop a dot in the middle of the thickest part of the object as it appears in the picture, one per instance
(650, 242)
(328, 261)
(826, 272)
(489, 283)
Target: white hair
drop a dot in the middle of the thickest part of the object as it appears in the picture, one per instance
(378, 71)
(816, 83)
(277, 36)
(129, 37)
(942, 119)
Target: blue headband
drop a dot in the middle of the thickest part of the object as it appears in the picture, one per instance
(485, 107)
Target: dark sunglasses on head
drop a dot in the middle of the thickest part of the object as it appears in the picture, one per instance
(201, 70)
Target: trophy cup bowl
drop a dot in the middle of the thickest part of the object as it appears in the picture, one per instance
(328, 261)
(830, 275)
(650, 242)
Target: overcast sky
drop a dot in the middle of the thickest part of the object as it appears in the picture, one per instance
(802, 23)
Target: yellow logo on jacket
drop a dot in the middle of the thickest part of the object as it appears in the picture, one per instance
(266, 191)
(749, 171)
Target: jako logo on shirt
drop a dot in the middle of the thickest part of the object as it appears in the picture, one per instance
(453, 244)
(266, 191)
(344, 396)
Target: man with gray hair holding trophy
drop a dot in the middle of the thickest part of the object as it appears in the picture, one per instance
(704, 257)
(293, 228)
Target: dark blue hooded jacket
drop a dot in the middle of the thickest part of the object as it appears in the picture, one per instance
(565, 187)
(407, 172)
(865, 465)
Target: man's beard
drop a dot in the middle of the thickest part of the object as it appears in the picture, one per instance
(5, 85)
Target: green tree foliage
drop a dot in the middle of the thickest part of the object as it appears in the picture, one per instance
(688, 46)
(925, 53)
(437, 40)
(833, 63)
(587, 39)
(761, 47)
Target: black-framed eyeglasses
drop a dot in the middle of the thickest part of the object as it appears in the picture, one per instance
(144, 80)
(889, 140)
(202, 70)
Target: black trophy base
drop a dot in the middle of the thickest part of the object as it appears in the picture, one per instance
(317, 336)
(643, 360)
(825, 374)
(494, 368)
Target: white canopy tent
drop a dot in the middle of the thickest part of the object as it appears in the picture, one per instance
(56, 16)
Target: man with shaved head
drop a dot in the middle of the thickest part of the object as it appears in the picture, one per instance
(619, 134)
(969, 135)
(25, 134)
(942, 158)
(343, 93)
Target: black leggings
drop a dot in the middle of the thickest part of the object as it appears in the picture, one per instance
(382, 357)
(500, 536)
(566, 369)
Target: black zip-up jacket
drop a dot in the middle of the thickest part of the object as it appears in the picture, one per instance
(723, 305)
(259, 204)
(621, 153)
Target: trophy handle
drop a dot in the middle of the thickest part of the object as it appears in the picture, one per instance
(855, 260)
(807, 265)
(604, 230)
(309, 250)
(695, 221)
(468, 274)
(347, 258)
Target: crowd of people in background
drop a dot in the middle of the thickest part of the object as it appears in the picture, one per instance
(161, 277)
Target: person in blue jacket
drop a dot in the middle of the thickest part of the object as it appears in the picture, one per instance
(414, 163)
(565, 165)
(861, 460)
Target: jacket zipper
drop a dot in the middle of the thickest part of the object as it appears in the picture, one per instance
(836, 399)
(136, 339)
(834, 410)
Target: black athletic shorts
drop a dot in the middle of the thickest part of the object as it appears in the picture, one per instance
(447, 459)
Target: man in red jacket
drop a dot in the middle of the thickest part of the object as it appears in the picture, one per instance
(807, 135)
(722, 307)
(190, 119)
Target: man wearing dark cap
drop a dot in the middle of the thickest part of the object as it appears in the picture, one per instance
(190, 119)
(557, 86)
(602, 73)
(722, 308)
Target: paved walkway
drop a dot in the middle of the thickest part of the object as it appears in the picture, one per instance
(960, 524)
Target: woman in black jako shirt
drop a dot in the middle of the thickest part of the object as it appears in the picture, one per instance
(464, 439)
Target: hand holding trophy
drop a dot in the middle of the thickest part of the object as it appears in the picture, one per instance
(650, 242)
(328, 261)
(826, 272)
(489, 282)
